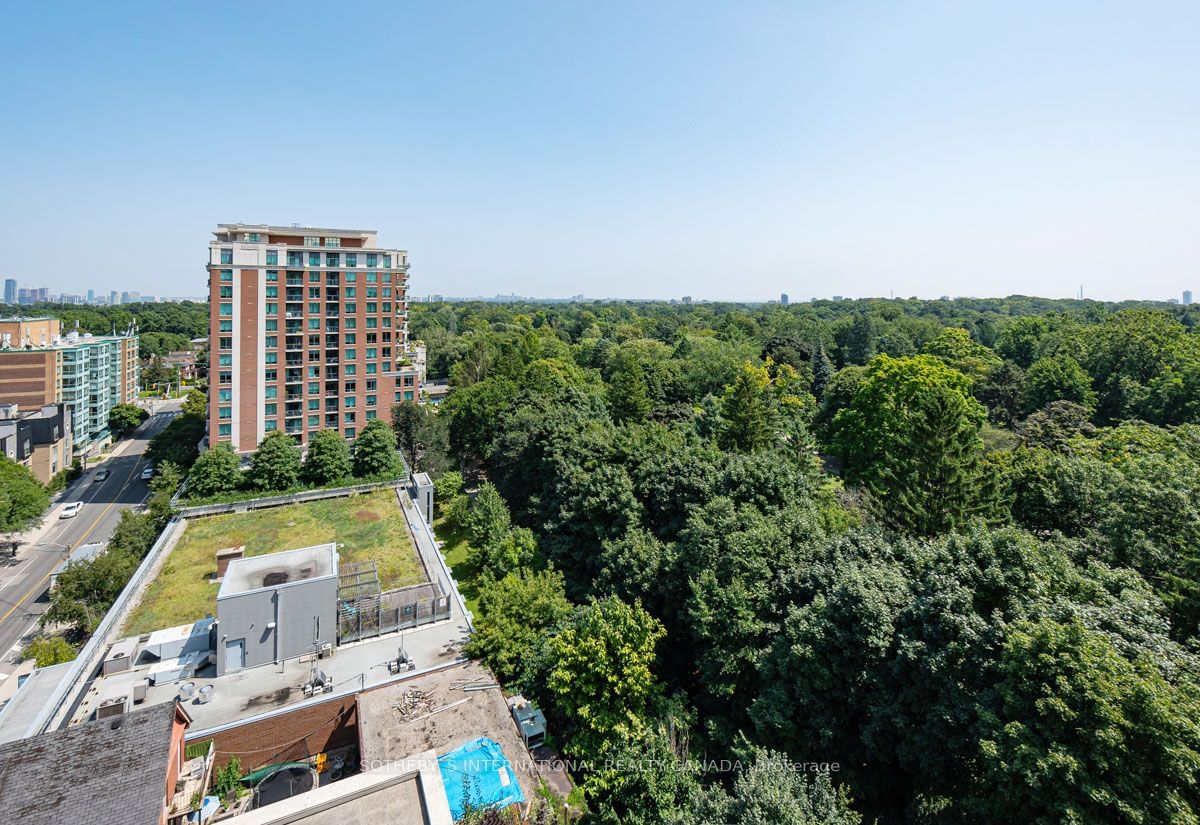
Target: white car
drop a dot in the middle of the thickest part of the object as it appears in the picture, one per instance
(71, 510)
(147, 474)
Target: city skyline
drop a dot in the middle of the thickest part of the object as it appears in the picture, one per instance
(729, 152)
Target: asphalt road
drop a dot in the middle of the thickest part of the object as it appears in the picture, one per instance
(25, 580)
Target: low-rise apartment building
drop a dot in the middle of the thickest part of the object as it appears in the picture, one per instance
(308, 332)
(40, 440)
(91, 374)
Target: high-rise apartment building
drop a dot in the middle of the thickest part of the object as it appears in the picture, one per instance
(308, 331)
(1187, 297)
(89, 373)
(10, 291)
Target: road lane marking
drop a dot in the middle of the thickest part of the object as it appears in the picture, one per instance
(79, 542)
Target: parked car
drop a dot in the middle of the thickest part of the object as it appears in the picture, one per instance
(71, 510)
(147, 474)
(101, 475)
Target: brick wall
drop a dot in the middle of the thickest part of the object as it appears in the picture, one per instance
(293, 735)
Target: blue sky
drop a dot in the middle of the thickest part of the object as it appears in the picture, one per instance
(721, 150)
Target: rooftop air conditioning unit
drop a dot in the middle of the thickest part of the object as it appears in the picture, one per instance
(112, 707)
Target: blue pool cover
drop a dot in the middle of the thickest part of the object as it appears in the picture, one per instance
(478, 775)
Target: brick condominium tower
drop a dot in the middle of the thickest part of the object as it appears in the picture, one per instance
(308, 331)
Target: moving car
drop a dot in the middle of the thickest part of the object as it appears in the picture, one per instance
(71, 510)
(101, 475)
(147, 474)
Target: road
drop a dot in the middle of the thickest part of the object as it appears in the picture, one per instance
(25, 580)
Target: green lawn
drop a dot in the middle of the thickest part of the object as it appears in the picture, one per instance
(369, 526)
(456, 550)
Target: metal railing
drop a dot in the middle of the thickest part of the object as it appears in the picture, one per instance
(280, 501)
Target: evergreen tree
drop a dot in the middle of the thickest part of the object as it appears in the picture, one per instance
(328, 459)
(747, 412)
(822, 372)
(911, 437)
(628, 397)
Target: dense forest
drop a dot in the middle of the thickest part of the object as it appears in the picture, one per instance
(185, 319)
(854, 561)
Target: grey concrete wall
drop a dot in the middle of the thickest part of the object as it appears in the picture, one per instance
(294, 608)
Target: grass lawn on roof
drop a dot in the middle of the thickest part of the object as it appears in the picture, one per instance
(368, 526)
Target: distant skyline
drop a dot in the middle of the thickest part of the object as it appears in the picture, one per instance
(722, 151)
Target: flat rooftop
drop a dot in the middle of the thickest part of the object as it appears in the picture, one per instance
(273, 569)
(292, 229)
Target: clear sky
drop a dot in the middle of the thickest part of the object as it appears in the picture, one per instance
(650, 149)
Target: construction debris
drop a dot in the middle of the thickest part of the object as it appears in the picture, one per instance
(413, 703)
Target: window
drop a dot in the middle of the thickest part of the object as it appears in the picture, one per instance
(370, 385)
(387, 277)
(332, 259)
(371, 353)
(372, 368)
(387, 306)
(314, 372)
(272, 292)
(351, 369)
(314, 277)
(372, 291)
(314, 323)
(372, 277)
(271, 392)
(370, 415)
(351, 323)
(224, 430)
(272, 257)
(224, 395)
(334, 242)
(314, 292)
(270, 375)
(270, 409)
(225, 412)
(371, 399)
(351, 337)
(350, 386)
(272, 358)
(351, 292)
(295, 260)
(226, 310)
(271, 341)
(272, 325)
(314, 403)
(270, 425)
(351, 401)
(225, 378)
(372, 322)
(314, 258)
(272, 276)
(350, 354)
(225, 292)
(272, 309)
(225, 343)
(387, 292)
(372, 259)
(372, 307)
(349, 432)
(226, 276)
(351, 277)
(314, 309)
(387, 261)
(226, 256)
(253, 237)
(311, 241)
(314, 388)
(348, 417)
(314, 421)
(224, 326)
(408, 395)
(351, 259)
(351, 308)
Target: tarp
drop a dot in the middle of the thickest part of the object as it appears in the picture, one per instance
(477, 775)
